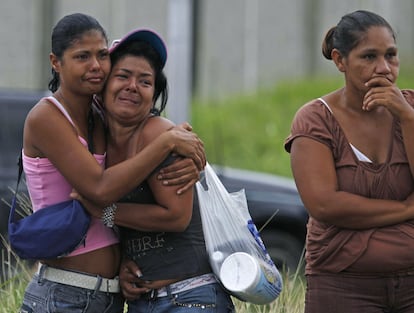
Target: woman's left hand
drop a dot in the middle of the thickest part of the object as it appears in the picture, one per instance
(181, 172)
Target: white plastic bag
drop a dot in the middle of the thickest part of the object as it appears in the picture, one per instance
(233, 243)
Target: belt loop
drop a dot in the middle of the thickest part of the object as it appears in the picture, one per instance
(153, 294)
(98, 284)
(41, 271)
(168, 288)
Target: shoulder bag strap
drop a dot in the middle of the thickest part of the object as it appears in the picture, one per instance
(91, 126)
(13, 204)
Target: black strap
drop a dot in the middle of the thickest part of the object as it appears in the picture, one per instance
(91, 126)
(19, 176)
(20, 165)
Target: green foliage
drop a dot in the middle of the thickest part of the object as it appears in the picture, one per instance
(14, 277)
(14, 273)
(291, 299)
(248, 131)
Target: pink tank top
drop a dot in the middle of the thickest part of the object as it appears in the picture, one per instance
(46, 186)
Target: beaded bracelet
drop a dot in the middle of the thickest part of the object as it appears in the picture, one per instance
(108, 215)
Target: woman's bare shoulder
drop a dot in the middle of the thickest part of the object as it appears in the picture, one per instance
(155, 126)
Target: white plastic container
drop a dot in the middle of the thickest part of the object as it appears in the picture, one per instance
(250, 279)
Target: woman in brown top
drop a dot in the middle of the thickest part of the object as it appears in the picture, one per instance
(352, 157)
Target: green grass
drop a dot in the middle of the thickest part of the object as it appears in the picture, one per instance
(248, 131)
(12, 286)
(14, 273)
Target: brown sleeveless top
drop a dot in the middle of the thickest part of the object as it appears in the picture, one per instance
(330, 249)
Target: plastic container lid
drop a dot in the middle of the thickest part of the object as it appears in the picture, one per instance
(240, 272)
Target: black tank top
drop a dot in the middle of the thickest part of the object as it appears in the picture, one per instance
(165, 255)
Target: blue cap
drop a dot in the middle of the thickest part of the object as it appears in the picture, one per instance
(146, 35)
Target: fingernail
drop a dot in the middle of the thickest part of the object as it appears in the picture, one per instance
(139, 274)
(165, 182)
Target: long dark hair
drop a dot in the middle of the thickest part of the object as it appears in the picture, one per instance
(66, 31)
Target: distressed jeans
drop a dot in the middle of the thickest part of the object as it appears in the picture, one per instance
(210, 298)
(43, 296)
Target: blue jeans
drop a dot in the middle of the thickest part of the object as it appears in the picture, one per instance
(43, 296)
(210, 298)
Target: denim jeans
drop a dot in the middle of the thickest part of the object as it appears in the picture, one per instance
(43, 296)
(210, 298)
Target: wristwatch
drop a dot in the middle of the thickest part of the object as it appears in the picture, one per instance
(108, 215)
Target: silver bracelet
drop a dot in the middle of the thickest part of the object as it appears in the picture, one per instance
(108, 215)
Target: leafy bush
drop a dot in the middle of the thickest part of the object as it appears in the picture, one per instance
(248, 131)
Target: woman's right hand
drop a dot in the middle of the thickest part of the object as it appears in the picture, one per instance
(93, 209)
(129, 274)
(188, 144)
